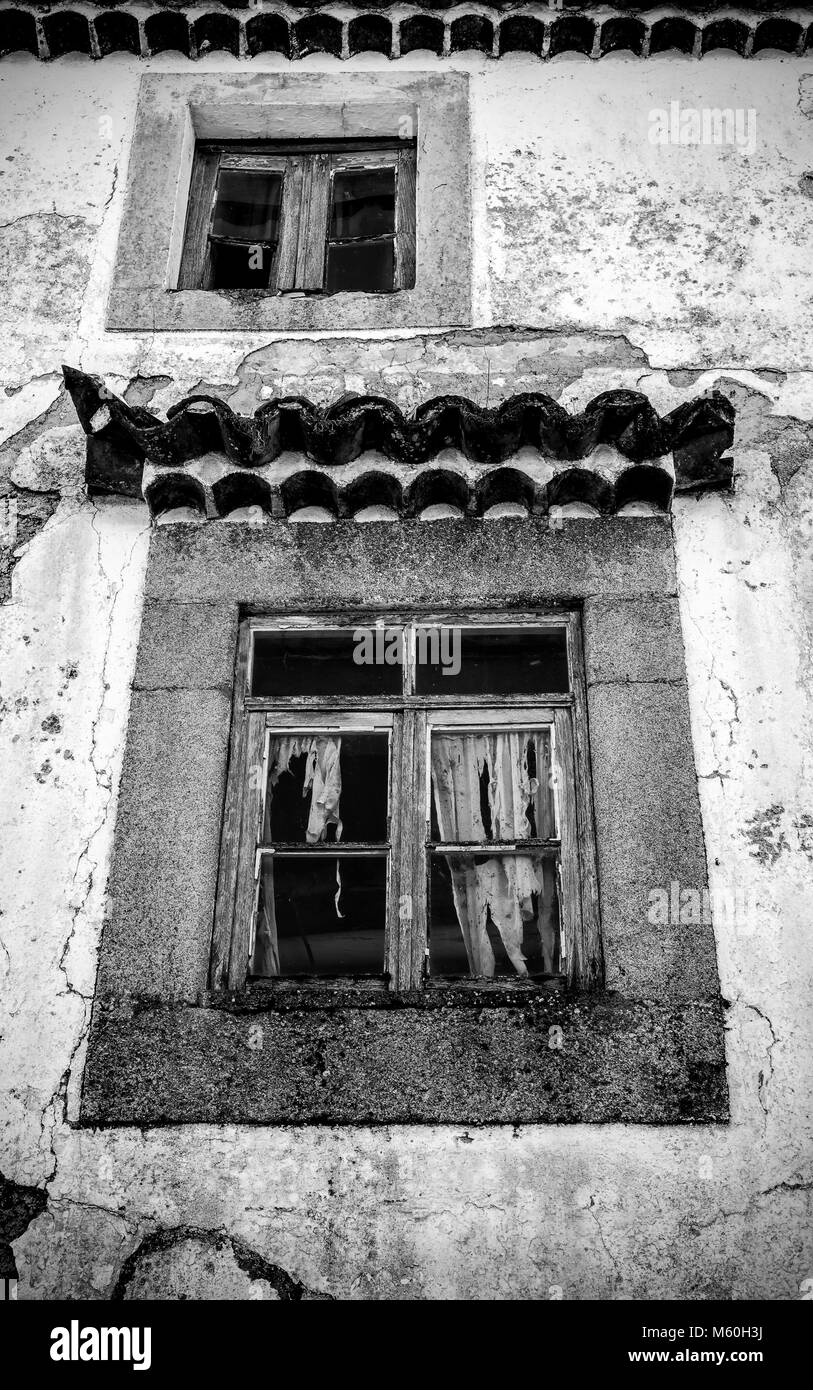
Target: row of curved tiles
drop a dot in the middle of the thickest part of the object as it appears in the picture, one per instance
(122, 437)
(189, 31)
(311, 494)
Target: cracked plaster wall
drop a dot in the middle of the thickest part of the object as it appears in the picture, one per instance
(668, 272)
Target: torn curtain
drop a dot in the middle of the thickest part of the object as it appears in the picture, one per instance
(323, 779)
(509, 890)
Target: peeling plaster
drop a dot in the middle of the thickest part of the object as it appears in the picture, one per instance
(188, 1263)
(723, 1212)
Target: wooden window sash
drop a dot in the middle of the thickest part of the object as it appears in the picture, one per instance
(402, 161)
(313, 223)
(195, 271)
(410, 721)
(406, 205)
(587, 969)
(300, 256)
(481, 620)
(482, 719)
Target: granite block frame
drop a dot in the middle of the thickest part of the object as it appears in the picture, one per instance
(176, 109)
(648, 1048)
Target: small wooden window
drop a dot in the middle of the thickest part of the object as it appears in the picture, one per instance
(408, 801)
(326, 218)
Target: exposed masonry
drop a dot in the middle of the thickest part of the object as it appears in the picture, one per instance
(18, 1208)
(207, 457)
(49, 31)
(142, 1270)
(27, 499)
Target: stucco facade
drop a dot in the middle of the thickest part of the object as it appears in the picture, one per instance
(599, 260)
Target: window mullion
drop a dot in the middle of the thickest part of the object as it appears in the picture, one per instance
(420, 875)
(290, 224)
(410, 648)
(392, 939)
(313, 224)
(406, 940)
(405, 228)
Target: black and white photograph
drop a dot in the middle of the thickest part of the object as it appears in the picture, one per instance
(406, 675)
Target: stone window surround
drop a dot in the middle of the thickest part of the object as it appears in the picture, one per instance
(646, 1049)
(176, 109)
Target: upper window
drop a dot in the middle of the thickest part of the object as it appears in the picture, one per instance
(263, 202)
(406, 803)
(313, 217)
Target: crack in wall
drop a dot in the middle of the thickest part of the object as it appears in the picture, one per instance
(753, 1201)
(164, 1241)
(618, 1278)
(764, 1080)
(104, 785)
(84, 880)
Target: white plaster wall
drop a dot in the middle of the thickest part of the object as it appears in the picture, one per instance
(700, 254)
(580, 225)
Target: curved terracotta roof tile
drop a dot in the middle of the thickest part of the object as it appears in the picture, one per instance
(249, 27)
(124, 439)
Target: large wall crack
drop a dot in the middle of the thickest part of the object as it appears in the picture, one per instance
(168, 1261)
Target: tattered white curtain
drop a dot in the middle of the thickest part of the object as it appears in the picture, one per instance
(323, 779)
(499, 886)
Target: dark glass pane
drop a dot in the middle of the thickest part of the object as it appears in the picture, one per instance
(345, 662)
(363, 204)
(241, 267)
(494, 916)
(247, 206)
(367, 266)
(492, 786)
(321, 783)
(470, 661)
(320, 916)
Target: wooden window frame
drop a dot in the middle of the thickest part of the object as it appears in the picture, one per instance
(409, 718)
(308, 168)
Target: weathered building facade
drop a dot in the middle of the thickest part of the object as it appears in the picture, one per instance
(571, 406)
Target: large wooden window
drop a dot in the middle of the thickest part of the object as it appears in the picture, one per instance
(314, 218)
(408, 802)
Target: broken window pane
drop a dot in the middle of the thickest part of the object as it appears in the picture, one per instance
(361, 266)
(361, 244)
(245, 229)
(248, 204)
(471, 661)
(323, 663)
(240, 267)
(494, 916)
(320, 915)
(493, 785)
(363, 204)
(325, 788)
